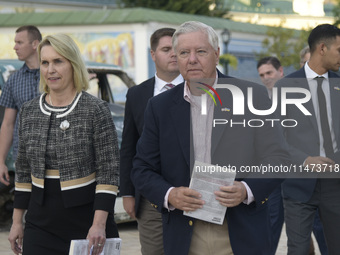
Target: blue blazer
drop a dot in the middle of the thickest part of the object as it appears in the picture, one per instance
(303, 139)
(163, 161)
(137, 98)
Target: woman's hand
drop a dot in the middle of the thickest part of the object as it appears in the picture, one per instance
(97, 234)
(16, 234)
(15, 237)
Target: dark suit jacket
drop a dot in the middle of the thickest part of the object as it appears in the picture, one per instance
(303, 139)
(137, 98)
(163, 161)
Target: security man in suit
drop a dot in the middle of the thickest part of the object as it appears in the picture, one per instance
(167, 75)
(314, 144)
(270, 71)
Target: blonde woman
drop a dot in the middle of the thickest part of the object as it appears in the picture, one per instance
(67, 165)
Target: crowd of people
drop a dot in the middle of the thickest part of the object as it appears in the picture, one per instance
(68, 163)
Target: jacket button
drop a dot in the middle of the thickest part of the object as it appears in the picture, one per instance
(190, 223)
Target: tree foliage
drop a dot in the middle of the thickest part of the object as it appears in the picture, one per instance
(285, 44)
(24, 10)
(202, 7)
(336, 13)
(228, 59)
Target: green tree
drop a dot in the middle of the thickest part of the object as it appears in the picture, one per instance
(24, 10)
(202, 7)
(336, 13)
(285, 44)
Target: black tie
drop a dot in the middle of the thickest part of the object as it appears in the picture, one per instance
(326, 133)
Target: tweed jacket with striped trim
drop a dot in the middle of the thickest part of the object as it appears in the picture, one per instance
(87, 151)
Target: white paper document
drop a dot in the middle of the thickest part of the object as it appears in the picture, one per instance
(80, 247)
(206, 179)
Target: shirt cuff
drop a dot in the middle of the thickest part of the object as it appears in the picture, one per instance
(250, 197)
(166, 201)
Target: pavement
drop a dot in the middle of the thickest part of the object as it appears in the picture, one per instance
(130, 241)
(128, 233)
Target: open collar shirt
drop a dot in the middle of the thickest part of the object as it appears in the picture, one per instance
(202, 131)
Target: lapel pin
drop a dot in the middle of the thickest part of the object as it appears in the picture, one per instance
(336, 88)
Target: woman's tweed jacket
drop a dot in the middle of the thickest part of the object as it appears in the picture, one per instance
(87, 151)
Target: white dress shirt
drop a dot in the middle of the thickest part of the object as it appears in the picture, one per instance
(310, 75)
(159, 84)
(202, 130)
(313, 85)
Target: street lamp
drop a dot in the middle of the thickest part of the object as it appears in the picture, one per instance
(225, 39)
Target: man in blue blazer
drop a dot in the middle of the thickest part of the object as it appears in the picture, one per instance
(149, 220)
(167, 148)
(314, 144)
(270, 71)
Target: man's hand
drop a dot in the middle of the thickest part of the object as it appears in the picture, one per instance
(231, 196)
(185, 199)
(311, 162)
(4, 176)
(129, 206)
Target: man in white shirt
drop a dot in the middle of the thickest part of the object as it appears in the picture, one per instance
(314, 144)
(167, 76)
(176, 133)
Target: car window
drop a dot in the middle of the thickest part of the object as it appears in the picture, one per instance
(93, 85)
(118, 88)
